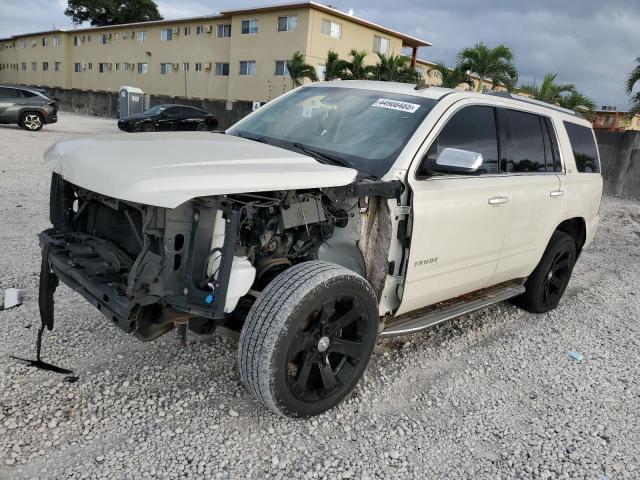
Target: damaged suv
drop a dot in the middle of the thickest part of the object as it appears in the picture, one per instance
(336, 214)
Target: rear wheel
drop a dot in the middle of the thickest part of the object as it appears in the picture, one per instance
(31, 121)
(546, 285)
(308, 338)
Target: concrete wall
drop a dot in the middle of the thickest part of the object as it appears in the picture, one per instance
(620, 158)
(105, 104)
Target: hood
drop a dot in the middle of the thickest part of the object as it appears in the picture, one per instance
(167, 169)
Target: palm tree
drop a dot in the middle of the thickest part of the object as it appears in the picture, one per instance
(299, 70)
(495, 64)
(395, 68)
(578, 102)
(334, 66)
(356, 68)
(452, 77)
(634, 77)
(550, 91)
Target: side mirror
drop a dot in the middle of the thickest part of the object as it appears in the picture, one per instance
(453, 160)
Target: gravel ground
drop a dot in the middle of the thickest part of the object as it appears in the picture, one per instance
(490, 395)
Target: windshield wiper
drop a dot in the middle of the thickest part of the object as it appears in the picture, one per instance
(319, 155)
(255, 138)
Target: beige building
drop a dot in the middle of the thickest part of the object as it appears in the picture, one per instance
(235, 55)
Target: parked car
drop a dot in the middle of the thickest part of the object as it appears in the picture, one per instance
(31, 108)
(339, 213)
(169, 118)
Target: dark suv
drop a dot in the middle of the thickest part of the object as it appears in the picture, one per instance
(30, 108)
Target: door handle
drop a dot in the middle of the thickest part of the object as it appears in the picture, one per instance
(556, 193)
(498, 200)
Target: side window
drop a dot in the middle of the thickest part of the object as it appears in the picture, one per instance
(473, 129)
(584, 148)
(527, 153)
(9, 93)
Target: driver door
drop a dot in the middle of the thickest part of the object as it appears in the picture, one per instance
(459, 220)
(168, 120)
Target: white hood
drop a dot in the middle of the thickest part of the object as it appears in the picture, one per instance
(167, 169)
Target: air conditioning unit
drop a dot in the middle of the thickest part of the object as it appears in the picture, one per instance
(84, 66)
(125, 35)
(207, 66)
(175, 67)
(209, 29)
(176, 31)
(109, 66)
(133, 35)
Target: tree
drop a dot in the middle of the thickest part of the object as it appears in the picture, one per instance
(111, 12)
(356, 68)
(565, 95)
(335, 67)
(453, 77)
(495, 64)
(394, 68)
(299, 70)
(634, 77)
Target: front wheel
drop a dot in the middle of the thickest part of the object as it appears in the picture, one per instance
(308, 338)
(546, 285)
(148, 127)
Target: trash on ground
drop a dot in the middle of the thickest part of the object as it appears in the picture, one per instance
(576, 356)
(12, 298)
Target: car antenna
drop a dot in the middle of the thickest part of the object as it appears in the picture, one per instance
(422, 85)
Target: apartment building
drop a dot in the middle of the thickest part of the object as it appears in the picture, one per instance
(610, 118)
(235, 55)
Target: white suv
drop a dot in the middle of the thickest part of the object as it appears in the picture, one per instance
(339, 212)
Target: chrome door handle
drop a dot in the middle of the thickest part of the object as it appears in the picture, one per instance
(556, 193)
(498, 200)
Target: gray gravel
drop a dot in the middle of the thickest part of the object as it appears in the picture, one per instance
(490, 395)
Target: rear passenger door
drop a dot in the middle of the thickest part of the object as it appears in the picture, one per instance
(8, 98)
(533, 165)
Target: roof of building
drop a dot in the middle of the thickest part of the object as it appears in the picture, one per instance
(407, 40)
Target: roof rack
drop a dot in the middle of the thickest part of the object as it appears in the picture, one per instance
(533, 101)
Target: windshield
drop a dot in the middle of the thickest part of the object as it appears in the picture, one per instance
(155, 110)
(362, 129)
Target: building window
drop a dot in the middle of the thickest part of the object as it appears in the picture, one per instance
(281, 68)
(185, 67)
(77, 67)
(165, 68)
(247, 67)
(104, 39)
(288, 23)
(117, 65)
(102, 67)
(198, 67)
(56, 40)
(23, 66)
(199, 30)
(187, 30)
(23, 43)
(333, 29)
(143, 68)
(222, 69)
(166, 34)
(76, 41)
(45, 42)
(56, 66)
(224, 31)
(249, 27)
(380, 45)
(34, 66)
(142, 37)
(45, 66)
(90, 66)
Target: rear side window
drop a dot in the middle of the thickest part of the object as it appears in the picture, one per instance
(528, 143)
(28, 94)
(473, 129)
(9, 93)
(584, 148)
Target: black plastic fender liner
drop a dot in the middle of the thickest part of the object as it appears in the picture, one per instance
(48, 283)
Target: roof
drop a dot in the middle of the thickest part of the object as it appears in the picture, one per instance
(407, 40)
(434, 93)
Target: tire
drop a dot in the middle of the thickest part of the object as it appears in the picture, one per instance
(546, 285)
(202, 127)
(308, 338)
(148, 127)
(32, 121)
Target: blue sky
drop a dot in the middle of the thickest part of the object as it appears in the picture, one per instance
(592, 43)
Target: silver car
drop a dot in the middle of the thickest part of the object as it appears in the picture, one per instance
(30, 108)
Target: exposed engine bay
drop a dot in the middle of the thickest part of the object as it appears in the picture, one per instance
(204, 263)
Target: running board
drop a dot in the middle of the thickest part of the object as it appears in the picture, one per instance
(431, 316)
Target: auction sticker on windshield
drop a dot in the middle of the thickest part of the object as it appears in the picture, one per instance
(396, 105)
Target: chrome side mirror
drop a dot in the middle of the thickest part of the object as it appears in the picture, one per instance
(453, 160)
